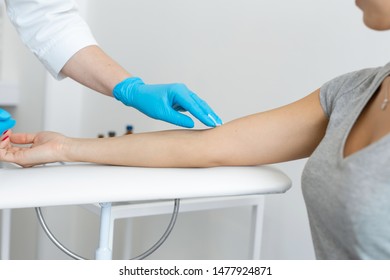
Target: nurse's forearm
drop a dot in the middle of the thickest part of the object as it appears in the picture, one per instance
(93, 68)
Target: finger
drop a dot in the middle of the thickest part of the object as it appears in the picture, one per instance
(199, 109)
(22, 138)
(192, 105)
(4, 143)
(179, 119)
(189, 101)
(7, 132)
(206, 108)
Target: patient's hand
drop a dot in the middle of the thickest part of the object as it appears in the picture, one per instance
(31, 149)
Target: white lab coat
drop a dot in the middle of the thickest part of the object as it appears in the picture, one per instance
(52, 29)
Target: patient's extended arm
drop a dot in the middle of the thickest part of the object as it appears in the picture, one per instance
(286, 133)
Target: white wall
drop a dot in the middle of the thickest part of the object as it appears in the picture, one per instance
(242, 57)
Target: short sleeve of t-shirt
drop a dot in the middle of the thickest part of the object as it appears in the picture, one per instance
(332, 90)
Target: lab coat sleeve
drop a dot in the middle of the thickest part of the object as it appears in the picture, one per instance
(52, 29)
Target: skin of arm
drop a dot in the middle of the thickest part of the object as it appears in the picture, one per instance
(93, 68)
(283, 134)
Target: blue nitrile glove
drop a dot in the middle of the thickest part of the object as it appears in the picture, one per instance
(6, 121)
(163, 102)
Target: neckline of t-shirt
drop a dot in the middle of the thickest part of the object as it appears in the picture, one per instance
(373, 88)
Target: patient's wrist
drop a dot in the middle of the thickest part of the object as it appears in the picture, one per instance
(67, 153)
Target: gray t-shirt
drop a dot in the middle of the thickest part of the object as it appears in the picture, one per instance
(348, 199)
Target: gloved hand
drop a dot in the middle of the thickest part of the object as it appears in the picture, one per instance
(6, 121)
(163, 102)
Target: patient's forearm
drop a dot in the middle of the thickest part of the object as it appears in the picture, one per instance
(283, 134)
(181, 148)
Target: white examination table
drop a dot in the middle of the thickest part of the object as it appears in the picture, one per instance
(89, 184)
